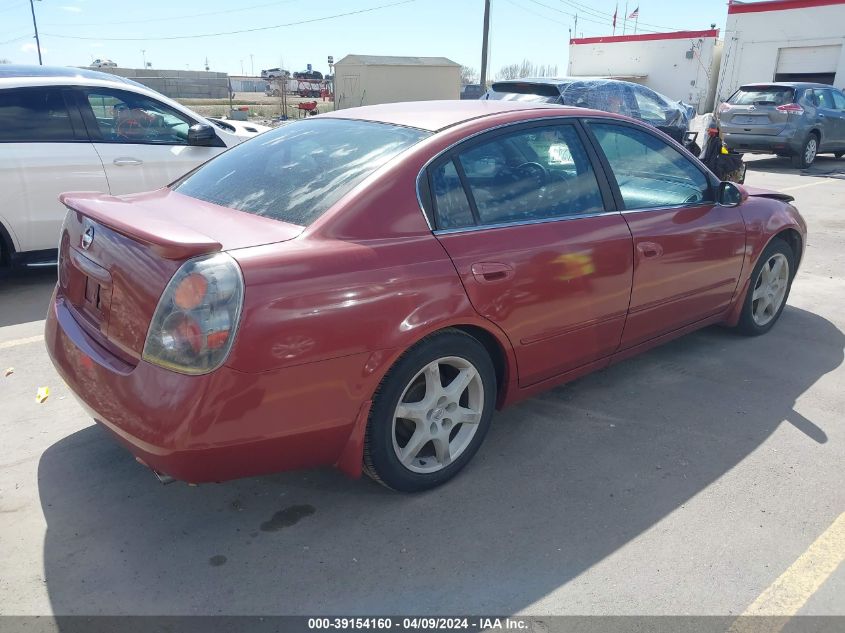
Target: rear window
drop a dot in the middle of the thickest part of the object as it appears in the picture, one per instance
(524, 91)
(762, 95)
(296, 172)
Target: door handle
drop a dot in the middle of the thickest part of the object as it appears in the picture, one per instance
(650, 249)
(487, 272)
(125, 161)
(821, 115)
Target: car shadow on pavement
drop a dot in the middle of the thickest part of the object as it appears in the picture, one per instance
(562, 481)
(25, 294)
(828, 166)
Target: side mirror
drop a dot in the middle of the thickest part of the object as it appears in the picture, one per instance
(730, 194)
(203, 135)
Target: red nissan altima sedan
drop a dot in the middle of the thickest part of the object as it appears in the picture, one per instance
(363, 288)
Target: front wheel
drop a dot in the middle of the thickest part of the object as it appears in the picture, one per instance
(771, 280)
(430, 413)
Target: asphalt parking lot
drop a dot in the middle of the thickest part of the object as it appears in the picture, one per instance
(694, 479)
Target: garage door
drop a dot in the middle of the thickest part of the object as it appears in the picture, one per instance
(808, 60)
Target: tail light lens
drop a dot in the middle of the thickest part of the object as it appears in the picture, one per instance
(792, 108)
(194, 324)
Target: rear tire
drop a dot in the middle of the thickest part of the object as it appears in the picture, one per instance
(808, 154)
(431, 412)
(768, 291)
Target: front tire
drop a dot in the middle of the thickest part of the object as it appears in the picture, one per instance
(771, 281)
(430, 413)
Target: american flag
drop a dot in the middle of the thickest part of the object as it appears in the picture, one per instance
(634, 14)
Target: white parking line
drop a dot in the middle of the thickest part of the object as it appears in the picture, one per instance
(21, 341)
(809, 184)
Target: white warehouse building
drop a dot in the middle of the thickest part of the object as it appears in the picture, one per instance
(783, 40)
(370, 79)
(683, 65)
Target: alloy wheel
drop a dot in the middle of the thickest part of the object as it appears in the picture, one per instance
(438, 414)
(810, 150)
(770, 289)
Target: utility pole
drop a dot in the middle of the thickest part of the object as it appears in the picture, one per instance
(251, 65)
(144, 57)
(35, 26)
(484, 39)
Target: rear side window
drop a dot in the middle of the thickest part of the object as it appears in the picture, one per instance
(34, 115)
(453, 210)
(838, 100)
(765, 95)
(296, 172)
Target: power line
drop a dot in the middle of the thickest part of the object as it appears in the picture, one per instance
(16, 39)
(606, 14)
(177, 17)
(252, 30)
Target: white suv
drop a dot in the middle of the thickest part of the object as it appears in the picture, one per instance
(66, 129)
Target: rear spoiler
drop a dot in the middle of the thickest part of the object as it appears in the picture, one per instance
(169, 240)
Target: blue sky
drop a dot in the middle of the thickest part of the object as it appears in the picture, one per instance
(537, 30)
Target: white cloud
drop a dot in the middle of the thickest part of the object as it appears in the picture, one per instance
(29, 47)
(71, 9)
(96, 45)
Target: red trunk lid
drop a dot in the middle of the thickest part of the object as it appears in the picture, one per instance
(117, 255)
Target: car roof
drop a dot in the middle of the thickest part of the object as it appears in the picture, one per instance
(52, 74)
(786, 84)
(438, 115)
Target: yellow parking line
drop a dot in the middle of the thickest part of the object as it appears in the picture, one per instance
(786, 595)
(823, 181)
(21, 341)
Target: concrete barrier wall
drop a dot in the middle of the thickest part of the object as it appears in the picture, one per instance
(178, 84)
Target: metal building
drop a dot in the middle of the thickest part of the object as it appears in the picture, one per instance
(783, 40)
(371, 79)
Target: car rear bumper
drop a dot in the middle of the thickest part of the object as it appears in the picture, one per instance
(223, 425)
(787, 142)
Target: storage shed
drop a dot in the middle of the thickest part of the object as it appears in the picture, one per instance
(683, 65)
(371, 79)
(783, 40)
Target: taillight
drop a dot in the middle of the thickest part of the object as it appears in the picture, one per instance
(194, 324)
(793, 108)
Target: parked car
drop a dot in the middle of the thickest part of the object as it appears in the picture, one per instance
(609, 95)
(70, 128)
(363, 288)
(471, 91)
(798, 120)
(103, 63)
(274, 73)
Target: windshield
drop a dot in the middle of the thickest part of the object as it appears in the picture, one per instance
(765, 95)
(296, 172)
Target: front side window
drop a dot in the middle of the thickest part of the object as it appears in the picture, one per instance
(533, 174)
(649, 172)
(824, 99)
(651, 109)
(298, 171)
(127, 117)
(37, 115)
